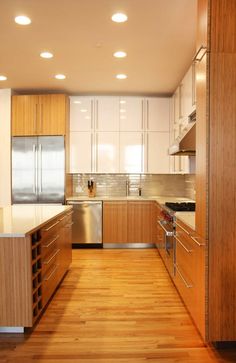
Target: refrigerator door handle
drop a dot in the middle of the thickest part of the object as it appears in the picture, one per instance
(35, 169)
(40, 169)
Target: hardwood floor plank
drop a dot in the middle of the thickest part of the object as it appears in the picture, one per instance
(113, 306)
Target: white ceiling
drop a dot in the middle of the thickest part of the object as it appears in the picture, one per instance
(159, 38)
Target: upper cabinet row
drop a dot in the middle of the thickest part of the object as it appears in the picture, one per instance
(34, 115)
(183, 103)
(119, 134)
(119, 114)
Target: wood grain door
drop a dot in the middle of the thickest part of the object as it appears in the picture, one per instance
(25, 115)
(115, 222)
(140, 222)
(52, 114)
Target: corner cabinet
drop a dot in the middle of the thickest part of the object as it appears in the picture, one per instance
(119, 134)
(34, 115)
(31, 269)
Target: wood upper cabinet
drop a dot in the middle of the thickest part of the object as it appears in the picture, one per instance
(34, 115)
(115, 222)
(140, 222)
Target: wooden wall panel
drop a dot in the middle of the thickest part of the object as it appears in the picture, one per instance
(202, 148)
(15, 282)
(223, 26)
(222, 198)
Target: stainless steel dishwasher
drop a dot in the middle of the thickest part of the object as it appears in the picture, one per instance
(87, 224)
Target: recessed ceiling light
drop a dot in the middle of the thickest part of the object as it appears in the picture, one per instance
(122, 102)
(83, 110)
(121, 76)
(22, 20)
(119, 17)
(60, 76)
(3, 78)
(47, 55)
(77, 102)
(120, 54)
(122, 110)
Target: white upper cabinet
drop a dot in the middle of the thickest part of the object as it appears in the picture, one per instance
(81, 113)
(131, 114)
(157, 157)
(188, 93)
(107, 152)
(157, 114)
(131, 152)
(107, 113)
(81, 149)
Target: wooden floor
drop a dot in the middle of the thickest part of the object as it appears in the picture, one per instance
(113, 306)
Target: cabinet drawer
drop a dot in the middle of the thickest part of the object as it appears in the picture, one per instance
(49, 245)
(185, 257)
(50, 228)
(50, 281)
(49, 260)
(185, 287)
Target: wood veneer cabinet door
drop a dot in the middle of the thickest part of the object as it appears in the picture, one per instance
(25, 115)
(140, 222)
(202, 123)
(115, 222)
(53, 114)
(39, 115)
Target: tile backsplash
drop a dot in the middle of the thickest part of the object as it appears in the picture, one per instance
(113, 185)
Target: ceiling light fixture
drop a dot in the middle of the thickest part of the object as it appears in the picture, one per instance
(3, 78)
(120, 54)
(121, 76)
(22, 20)
(119, 17)
(46, 55)
(60, 76)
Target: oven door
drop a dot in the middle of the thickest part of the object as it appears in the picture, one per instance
(166, 236)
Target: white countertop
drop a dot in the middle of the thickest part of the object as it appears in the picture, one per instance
(159, 198)
(187, 218)
(22, 219)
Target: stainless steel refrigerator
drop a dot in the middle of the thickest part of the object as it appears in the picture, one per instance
(38, 169)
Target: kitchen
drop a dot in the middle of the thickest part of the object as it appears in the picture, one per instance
(212, 187)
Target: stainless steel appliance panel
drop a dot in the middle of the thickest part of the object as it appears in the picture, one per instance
(24, 169)
(38, 169)
(87, 222)
(51, 169)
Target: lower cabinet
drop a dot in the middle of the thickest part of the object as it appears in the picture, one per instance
(56, 253)
(190, 273)
(115, 222)
(128, 222)
(31, 269)
(140, 222)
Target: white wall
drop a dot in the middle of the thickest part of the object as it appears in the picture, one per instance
(5, 147)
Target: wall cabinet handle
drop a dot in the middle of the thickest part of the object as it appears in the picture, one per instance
(200, 53)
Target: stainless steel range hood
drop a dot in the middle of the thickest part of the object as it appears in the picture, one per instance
(185, 144)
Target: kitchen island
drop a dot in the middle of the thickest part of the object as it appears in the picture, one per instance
(35, 253)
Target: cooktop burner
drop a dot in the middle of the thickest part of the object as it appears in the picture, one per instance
(181, 207)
